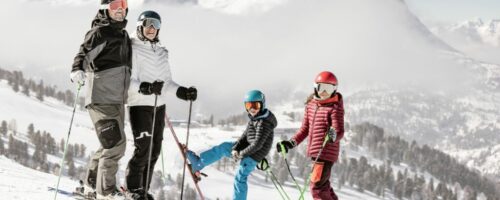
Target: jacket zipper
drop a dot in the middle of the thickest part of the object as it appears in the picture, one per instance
(313, 124)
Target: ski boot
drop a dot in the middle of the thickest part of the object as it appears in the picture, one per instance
(138, 194)
(85, 191)
(196, 165)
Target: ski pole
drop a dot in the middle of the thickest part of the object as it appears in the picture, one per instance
(327, 137)
(162, 166)
(67, 141)
(184, 156)
(277, 185)
(187, 141)
(283, 153)
(151, 148)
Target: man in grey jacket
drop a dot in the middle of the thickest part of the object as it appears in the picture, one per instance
(104, 63)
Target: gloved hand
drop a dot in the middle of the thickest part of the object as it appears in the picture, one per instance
(263, 165)
(78, 77)
(236, 156)
(147, 88)
(192, 93)
(288, 144)
(332, 134)
(187, 93)
(157, 87)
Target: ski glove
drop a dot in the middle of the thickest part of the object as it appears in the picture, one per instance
(78, 77)
(332, 135)
(263, 165)
(288, 144)
(187, 94)
(147, 88)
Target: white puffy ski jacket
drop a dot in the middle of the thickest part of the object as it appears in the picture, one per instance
(149, 63)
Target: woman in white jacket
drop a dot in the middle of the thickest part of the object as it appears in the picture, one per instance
(150, 76)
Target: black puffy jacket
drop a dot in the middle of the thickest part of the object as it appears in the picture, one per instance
(257, 140)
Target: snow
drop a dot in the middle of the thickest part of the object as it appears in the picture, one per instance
(53, 116)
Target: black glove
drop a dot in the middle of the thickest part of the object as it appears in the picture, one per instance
(187, 93)
(288, 144)
(145, 88)
(263, 165)
(157, 87)
(332, 134)
(192, 93)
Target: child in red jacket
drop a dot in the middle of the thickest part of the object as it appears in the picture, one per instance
(324, 115)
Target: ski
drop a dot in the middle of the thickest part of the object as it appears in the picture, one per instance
(75, 195)
(195, 176)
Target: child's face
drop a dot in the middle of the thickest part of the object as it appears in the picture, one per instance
(324, 95)
(253, 112)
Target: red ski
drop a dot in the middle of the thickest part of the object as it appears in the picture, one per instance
(196, 176)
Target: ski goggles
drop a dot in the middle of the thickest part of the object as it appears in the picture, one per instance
(114, 5)
(253, 104)
(325, 87)
(151, 22)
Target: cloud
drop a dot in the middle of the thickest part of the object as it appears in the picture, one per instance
(279, 51)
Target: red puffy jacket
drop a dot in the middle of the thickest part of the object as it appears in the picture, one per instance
(318, 116)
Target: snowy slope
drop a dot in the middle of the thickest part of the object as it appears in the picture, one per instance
(53, 116)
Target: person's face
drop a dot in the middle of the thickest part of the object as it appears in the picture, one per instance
(253, 112)
(149, 32)
(117, 10)
(324, 95)
(253, 108)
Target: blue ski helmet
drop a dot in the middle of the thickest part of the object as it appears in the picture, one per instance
(256, 95)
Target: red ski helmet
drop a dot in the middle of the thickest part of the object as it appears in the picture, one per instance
(326, 77)
(325, 81)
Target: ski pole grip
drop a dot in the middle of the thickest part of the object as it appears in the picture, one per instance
(327, 137)
(283, 153)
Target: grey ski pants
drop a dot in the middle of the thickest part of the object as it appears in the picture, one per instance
(108, 121)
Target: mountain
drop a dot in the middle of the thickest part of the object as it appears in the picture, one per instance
(477, 31)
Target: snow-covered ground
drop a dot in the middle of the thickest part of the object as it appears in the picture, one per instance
(53, 116)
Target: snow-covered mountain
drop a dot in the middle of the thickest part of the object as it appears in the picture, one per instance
(476, 30)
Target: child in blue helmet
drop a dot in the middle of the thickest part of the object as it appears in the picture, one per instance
(253, 145)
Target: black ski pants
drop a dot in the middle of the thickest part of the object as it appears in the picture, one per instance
(141, 121)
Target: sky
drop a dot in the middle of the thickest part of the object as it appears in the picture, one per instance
(226, 48)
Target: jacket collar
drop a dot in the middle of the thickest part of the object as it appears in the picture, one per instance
(261, 115)
(332, 100)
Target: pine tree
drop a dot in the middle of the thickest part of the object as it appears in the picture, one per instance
(61, 145)
(71, 169)
(2, 147)
(211, 120)
(31, 131)
(40, 92)
(3, 128)
(82, 150)
(69, 153)
(15, 87)
(26, 90)
(76, 151)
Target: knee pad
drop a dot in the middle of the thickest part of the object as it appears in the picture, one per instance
(108, 132)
